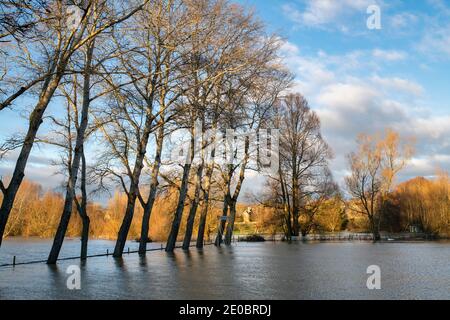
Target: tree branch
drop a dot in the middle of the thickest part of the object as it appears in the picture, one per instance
(2, 187)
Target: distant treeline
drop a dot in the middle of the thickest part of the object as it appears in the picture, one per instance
(420, 204)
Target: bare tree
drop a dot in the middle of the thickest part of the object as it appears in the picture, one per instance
(58, 42)
(269, 81)
(321, 189)
(150, 58)
(93, 56)
(218, 50)
(303, 156)
(364, 183)
(373, 170)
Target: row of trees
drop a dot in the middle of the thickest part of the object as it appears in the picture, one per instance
(419, 204)
(126, 76)
(36, 213)
(422, 204)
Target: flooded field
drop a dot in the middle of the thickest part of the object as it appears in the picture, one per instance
(271, 270)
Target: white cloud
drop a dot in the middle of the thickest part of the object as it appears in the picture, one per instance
(389, 55)
(436, 42)
(345, 96)
(317, 13)
(436, 128)
(403, 20)
(289, 49)
(441, 6)
(435, 35)
(399, 84)
(352, 94)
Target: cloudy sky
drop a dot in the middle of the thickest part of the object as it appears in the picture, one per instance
(357, 79)
(365, 80)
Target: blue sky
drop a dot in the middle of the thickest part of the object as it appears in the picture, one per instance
(358, 80)
(361, 80)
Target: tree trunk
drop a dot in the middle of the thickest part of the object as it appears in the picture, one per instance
(134, 183)
(286, 207)
(85, 236)
(295, 207)
(64, 222)
(132, 197)
(173, 235)
(193, 209)
(148, 207)
(237, 191)
(230, 225)
(222, 222)
(19, 170)
(295, 224)
(375, 230)
(75, 164)
(204, 212)
(125, 226)
(82, 210)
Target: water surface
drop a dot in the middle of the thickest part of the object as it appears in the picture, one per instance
(409, 270)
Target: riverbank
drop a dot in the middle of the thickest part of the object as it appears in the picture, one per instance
(346, 236)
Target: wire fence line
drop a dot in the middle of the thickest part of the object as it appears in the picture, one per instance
(128, 251)
(331, 236)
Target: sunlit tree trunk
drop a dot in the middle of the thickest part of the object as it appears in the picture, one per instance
(193, 208)
(223, 221)
(205, 206)
(148, 206)
(175, 228)
(82, 210)
(75, 163)
(19, 170)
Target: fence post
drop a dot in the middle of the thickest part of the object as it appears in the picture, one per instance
(107, 252)
(128, 250)
(14, 261)
(161, 246)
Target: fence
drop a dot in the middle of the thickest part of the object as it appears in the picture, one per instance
(128, 251)
(343, 236)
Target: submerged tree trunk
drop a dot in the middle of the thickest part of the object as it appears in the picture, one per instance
(135, 177)
(75, 163)
(126, 222)
(204, 211)
(286, 207)
(82, 210)
(295, 226)
(84, 234)
(223, 220)
(175, 228)
(295, 205)
(148, 207)
(173, 235)
(193, 209)
(230, 225)
(375, 230)
(237, 191)
(208, 158)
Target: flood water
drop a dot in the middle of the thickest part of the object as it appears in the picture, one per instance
(337, 270)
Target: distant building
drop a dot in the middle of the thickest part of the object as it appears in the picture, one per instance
(414, 229)
(246, 215)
